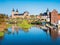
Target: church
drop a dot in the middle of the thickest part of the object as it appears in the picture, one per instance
(16, 14)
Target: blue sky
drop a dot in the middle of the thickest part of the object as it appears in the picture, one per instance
(32, 6)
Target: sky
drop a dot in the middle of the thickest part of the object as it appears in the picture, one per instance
(32, 6)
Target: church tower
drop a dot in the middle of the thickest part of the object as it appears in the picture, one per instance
(13, 12)
(17, 12)
(47, 11)
(48, 16)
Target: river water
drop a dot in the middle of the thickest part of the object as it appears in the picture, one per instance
(32, 36)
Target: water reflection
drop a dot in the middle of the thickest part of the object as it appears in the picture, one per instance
(3, 29)
(16, 29)
(1, 35)
(54, 33)
(35, 34)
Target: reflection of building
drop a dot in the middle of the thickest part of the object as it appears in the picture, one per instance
(16, 14)
(59, 33)
(53, 33)
(15, 28)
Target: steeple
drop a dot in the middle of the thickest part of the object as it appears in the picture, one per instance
(47, 10)
(16, 10)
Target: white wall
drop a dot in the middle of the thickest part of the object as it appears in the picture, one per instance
(58, 21)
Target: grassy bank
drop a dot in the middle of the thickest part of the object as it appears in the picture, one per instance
(24, 24)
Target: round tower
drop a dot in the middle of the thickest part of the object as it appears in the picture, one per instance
(48, 16)
(47, 11)
(13, 12)
(17, 12)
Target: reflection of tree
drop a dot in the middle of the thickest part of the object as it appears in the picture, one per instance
(1, 35)
(25, 30)
(3, 27)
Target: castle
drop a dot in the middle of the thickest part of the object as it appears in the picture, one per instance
(16, 14)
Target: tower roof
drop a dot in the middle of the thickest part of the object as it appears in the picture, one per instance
(13, 9)
(47, 10)
(16, 10)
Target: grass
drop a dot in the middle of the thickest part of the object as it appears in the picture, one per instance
(24, 24)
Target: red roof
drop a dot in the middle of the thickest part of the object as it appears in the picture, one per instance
(59, 17)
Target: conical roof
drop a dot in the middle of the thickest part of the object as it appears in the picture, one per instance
(16, 10)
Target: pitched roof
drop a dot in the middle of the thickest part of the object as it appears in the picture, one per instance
(18, 14)
(44, 14)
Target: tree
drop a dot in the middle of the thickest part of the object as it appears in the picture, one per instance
(3, 17)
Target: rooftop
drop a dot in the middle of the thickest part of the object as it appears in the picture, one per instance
(18, 14)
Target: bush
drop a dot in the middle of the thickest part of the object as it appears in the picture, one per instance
(37, 22)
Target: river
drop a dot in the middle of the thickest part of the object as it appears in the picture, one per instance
(33, 36)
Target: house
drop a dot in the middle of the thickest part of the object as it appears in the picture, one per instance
(55, 17)
(45, 16)
(16, 14)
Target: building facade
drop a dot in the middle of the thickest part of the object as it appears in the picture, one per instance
(16, 14)
(45, 16)
(55, 17)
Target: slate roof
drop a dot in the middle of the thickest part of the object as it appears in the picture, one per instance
(44, 14)
(18, 14)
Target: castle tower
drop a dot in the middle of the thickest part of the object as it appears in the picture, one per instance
(13, 12)
(47, 11)
(48, 16)
(17, 12)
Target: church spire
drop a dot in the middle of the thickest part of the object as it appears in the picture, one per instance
(13, 10)
(47, 10)
(16, 10)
